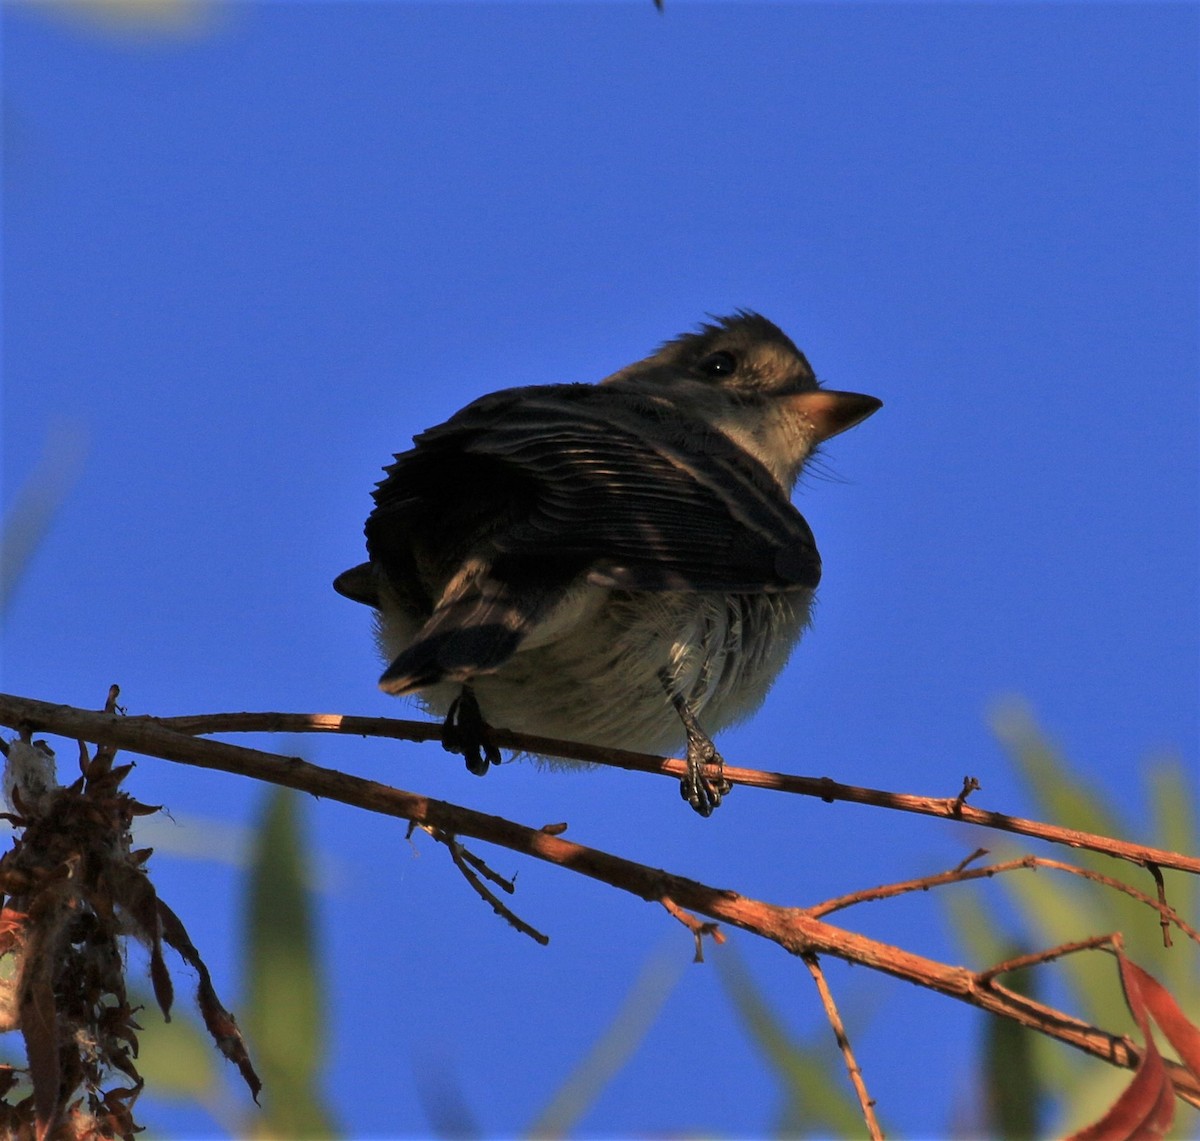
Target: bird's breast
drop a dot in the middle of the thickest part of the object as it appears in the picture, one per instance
(603, 666)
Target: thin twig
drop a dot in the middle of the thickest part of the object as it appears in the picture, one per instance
(1161, 888)
(969, 785)
(865, 1101)
(1020, 962)
(480, 865)
(1167, 914)
(978, 854)
(458, 854)
(15, 709)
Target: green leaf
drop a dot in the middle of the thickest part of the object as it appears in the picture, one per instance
(285, 994)
(1063, 795)
(613, 1049)
(177, 1059)
(1058, 908)
(36, 503)
(974, 927)
(1015, 1091)
(1063, 910)
(1174, 798)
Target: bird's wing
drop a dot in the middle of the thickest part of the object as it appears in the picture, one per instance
(585, 478)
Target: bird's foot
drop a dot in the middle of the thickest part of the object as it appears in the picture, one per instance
(466, 732)
(702, 792)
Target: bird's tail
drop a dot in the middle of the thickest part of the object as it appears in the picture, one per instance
(475, 629)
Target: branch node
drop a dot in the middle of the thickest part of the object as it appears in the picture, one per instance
(698, 927)
(970, 785)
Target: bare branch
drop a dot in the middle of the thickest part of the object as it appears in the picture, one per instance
(865, 1102)
(1167, 914)
(1020, 962)
(15, 711)
(794, 929)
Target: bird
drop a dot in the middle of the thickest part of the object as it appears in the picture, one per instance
(616, 563)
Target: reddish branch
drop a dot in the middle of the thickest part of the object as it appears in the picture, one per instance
(961, 874)
(950, 808)
(798, 931)
(865, 1102)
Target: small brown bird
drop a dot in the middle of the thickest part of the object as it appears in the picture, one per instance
(608, 563)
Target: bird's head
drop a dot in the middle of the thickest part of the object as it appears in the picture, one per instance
(742, 375)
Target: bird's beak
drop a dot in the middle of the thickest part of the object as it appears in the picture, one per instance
(831, 412)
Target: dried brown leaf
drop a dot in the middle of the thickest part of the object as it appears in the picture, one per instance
(39, 1028)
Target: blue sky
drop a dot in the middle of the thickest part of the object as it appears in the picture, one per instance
(247, 260)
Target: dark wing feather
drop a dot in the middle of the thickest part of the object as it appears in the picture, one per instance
(579, 477)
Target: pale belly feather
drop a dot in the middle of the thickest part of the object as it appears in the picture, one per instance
(594, 670)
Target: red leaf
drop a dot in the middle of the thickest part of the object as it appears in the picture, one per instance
(1163, 1008)
(1146, 1106)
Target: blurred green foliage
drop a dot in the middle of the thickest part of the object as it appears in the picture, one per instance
(814, 1091)
(283, 1008)
(285, 1016)
(1061, 1087)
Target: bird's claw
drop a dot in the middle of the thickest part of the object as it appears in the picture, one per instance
(466, 732)
(701, 792)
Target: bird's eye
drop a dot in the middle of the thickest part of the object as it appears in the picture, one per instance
(718, 364)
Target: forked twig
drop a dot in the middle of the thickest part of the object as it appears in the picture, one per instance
(1020, 962)
(1167, 914)
(698, 927)
(466, 862)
